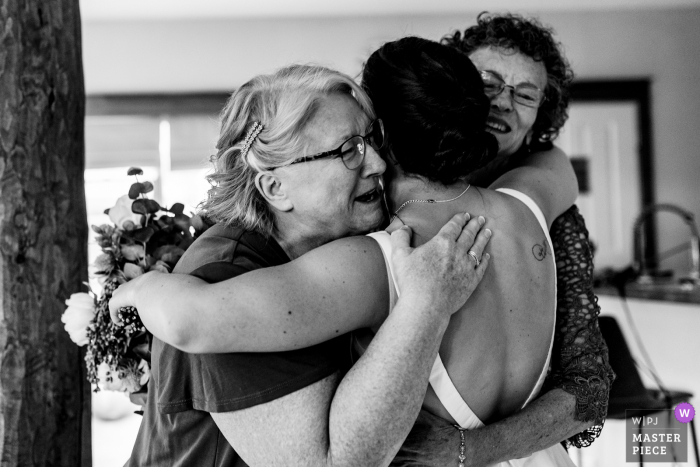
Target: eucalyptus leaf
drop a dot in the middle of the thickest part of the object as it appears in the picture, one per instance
(183, 222)
(164, 222)
(134, 171)
(139, 206)
(177, 208)
(147, 187)
(135, 190)
(144, 234)
(152, 206)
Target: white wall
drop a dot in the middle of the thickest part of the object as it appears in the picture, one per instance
(207, 55)
(668, 332)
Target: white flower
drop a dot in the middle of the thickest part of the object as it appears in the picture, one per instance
(132, 271)
(77, 317)
(121, 213)
(104, 372)
(124, 379)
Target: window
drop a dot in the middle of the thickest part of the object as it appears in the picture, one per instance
(171, 139)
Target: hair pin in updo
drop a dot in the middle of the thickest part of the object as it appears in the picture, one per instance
(250, 138)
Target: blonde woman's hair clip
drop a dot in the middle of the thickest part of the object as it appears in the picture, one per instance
(250, 138)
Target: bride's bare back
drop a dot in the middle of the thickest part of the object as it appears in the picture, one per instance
(496, 347)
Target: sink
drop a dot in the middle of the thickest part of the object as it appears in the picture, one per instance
(670, 289)
(666, 283)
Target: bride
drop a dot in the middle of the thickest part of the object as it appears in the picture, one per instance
(496, 351)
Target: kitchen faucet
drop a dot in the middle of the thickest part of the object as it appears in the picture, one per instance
(640, 241)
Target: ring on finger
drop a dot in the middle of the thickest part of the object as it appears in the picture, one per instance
(476, 258)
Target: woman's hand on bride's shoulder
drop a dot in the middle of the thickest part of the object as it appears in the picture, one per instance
(443, 273)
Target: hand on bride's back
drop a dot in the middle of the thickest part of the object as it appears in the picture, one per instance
(441, 273)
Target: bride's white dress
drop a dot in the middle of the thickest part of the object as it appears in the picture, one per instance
(445, 389)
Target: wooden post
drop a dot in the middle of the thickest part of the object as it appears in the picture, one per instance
(44, 397)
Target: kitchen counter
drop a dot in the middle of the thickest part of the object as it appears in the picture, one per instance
(665, 292)
(669, 333)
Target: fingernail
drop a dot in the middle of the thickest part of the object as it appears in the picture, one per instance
(468, 216)
(487, 232)
(482, 221)
(488, 256)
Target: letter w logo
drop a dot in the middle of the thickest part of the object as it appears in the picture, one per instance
(636, 420)
(685, 413)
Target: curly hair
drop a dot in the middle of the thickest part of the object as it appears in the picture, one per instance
(431, 99)
(529, 37)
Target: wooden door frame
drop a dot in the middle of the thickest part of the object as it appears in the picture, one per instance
(639, 92)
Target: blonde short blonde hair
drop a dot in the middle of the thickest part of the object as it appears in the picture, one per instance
(283, 102)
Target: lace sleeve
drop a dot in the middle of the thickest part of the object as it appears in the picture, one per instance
(580, 356)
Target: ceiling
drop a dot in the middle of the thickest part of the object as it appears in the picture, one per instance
(188, 9)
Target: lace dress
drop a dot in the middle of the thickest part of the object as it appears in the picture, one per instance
(580, 356)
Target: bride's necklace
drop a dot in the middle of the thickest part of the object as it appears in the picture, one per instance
(431, 201)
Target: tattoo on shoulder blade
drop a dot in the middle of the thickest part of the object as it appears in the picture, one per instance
(540, 251)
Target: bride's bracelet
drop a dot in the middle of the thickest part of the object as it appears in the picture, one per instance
(462, 446)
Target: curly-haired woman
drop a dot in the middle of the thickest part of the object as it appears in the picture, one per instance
(528, 80)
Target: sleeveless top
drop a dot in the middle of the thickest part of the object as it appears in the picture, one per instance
(442, 383)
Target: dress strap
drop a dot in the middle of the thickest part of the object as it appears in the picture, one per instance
(384, 239)
(530, 203)
(450, 398)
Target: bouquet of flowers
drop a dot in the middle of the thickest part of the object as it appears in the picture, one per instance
(145, 237)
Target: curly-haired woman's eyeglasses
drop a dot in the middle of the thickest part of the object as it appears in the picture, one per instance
(352, 151)
(526, 94)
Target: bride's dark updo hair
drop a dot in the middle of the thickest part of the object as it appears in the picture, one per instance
(432, 102)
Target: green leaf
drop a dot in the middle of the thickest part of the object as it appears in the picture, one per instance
(139, 207)
(164, 222)
(177, 208)
(134, 171)
(152, 206)
(182, 222)
(135, 190)
(144, 234)
(145, 206)
(147, 187)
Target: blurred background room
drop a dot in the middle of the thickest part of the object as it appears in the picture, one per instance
(157, 72)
